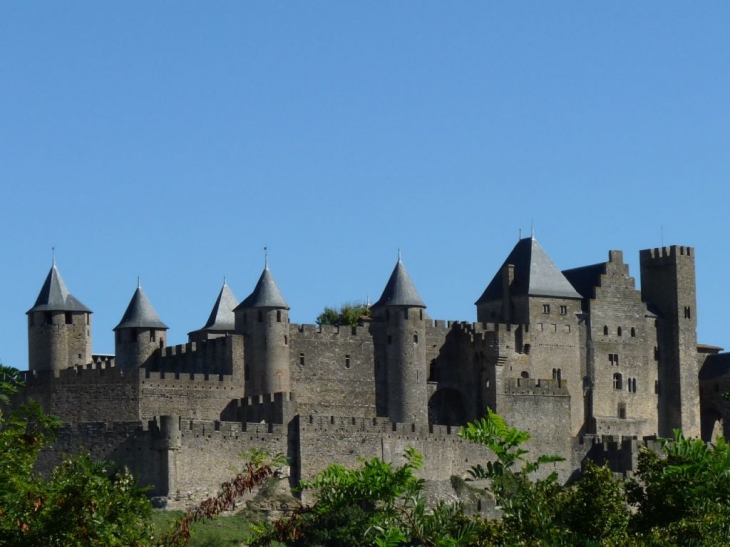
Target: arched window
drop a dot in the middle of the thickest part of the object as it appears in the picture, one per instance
(557, 374)
(633, 332)
(605, 330)
(618, 381)
(619, 331)
(524, 374)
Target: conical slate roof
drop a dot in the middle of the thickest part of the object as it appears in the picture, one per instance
(54, 296)
(400, 290)
(221, 317)
(265, 295)
(140, 313)
(535, 275)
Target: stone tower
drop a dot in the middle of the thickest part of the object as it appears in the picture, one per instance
(59, 327)
(139, 334)
(668, 284)
(399, 317)
(263, 320)
(221, 321)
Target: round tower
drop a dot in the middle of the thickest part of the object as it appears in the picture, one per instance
(139, 334)
(263, 320)
(59, 327)
(400, 313)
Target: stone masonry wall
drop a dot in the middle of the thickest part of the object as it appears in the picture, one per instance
(332, 370)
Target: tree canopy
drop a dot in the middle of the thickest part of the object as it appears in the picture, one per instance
(349, 314)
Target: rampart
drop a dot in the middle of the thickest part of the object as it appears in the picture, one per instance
(333, 369)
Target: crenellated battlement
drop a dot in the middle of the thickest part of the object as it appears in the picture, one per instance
(375, 426)
(667, 252)
(80, 374)
(171, 427)
(535, 386)
(183, 378)
(313, 331)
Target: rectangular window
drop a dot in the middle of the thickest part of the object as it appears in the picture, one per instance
(69, 318)
(347, 361)
(48, 317)
(546, 308)
(301, 359)
(613, 359)
(563, 310)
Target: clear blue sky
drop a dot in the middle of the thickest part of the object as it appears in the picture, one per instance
(173, 141)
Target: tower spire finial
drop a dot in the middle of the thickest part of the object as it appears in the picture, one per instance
(139, 283)
(532, 229)
(399, 254)
(266, 258)
(53, 256)
(224, 279)
(520, 236)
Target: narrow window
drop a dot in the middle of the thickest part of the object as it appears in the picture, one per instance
(613, 359)
(656, 387)
(347, 361)
(605, 330)
(420, 314)
(278, 316)
(622, 411)
(633, 332)
(301, 359)
(546, 308)
(687, 312)
(415, 339)
(557, 374)
(619, 332)
(563, 310)
(656, 353)
(286, 340)
(49, 318)
(152, 335)
(69, 318)
(618, 382)
(405, 314)
(433, 371)
(526, 348)
(261, 316)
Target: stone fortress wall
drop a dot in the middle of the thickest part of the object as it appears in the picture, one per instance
(583, 361)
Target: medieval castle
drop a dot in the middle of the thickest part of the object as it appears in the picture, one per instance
(581, 359)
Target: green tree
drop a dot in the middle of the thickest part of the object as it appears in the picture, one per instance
(349, 314)
(80, 504)
(682, 494)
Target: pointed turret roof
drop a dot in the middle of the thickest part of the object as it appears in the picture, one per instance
(400, 290)
(140, 313)
(535, 275)
(265, 295)
(54, 295)
(221, 317)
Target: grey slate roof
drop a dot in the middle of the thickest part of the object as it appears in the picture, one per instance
(140, 314)
(400, 290)
(54, 296)
(265, 295)
(221, 317)
(535, 275)
(586, 278)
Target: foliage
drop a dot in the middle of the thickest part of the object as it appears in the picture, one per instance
(682, 495)
(79, 504)
(376, 504)
(348, 315)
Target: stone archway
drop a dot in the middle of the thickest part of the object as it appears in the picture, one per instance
(447, 407)
(712, 425)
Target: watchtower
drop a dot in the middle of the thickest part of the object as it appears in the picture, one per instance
(59, 327)
(263, 320)
(668, 284)
(139, 334)
(399, 315)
